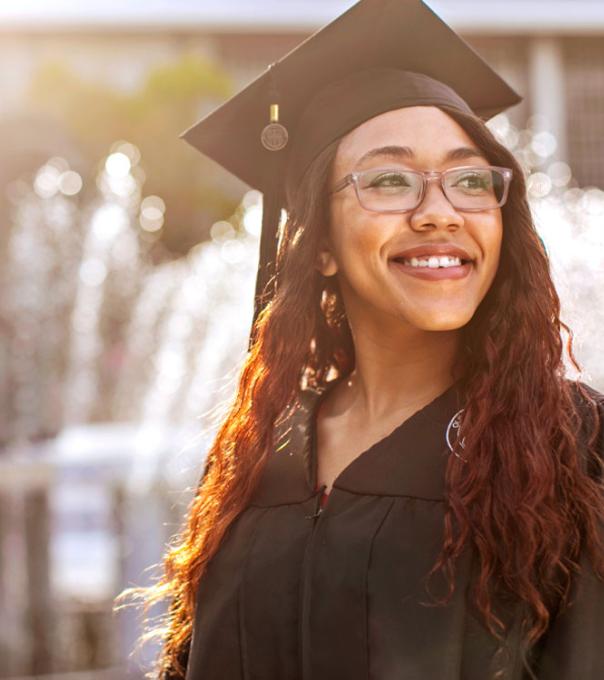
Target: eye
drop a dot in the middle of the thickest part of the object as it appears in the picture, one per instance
(473, 181)
(388, 180)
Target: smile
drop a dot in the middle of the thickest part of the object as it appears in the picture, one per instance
(433, 268)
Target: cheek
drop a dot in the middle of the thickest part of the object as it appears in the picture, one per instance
(359, 238)
(493, 239)
(489, 236)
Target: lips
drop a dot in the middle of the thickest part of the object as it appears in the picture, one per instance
(433, 250)
(400, 262)
(432, 273)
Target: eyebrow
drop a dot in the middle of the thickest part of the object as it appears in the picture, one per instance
(405, 152)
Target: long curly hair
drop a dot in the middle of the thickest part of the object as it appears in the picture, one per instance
(531, 501)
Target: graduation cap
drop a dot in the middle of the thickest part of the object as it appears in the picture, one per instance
(377, 56)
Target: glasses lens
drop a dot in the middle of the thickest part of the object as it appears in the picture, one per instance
(389, 189)
(475, 188)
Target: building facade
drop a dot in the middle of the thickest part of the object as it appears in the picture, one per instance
(552, 51)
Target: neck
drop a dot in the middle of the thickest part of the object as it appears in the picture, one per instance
(401, 372)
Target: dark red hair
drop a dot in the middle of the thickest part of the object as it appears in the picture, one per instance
(530, 502)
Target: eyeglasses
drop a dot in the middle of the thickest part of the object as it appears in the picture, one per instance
(469, 188)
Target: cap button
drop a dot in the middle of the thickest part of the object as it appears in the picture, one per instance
(274, 136)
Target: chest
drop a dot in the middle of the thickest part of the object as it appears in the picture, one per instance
(340, 441)
(292, 594)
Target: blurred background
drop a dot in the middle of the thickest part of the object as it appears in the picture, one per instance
(127, 263)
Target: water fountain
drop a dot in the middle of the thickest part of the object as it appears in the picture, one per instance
(109, 363)
(570, 221)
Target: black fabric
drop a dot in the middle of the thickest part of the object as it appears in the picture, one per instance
(271, 212)
(296, 595)
(405, 35)
(358, 97)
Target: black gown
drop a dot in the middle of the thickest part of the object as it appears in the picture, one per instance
(301, 592)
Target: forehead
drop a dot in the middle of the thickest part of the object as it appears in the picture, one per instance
(426, 130)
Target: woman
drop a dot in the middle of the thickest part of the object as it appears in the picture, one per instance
(406, 486)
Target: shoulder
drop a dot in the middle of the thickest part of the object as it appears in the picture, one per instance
(589, 403)
(588, 400)
(587, 390)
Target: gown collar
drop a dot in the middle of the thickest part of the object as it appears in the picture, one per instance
(410, 461)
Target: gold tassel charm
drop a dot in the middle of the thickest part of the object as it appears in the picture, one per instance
(274, 135)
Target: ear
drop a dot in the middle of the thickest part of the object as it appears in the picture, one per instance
(326, 262)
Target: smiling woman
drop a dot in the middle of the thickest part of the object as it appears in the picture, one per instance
(406, 357)
(372, 230)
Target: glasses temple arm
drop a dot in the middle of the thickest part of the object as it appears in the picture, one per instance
(344, 182)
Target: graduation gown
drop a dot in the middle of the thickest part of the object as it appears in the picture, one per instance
(303, 592)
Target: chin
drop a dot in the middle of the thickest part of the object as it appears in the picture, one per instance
(440, 320)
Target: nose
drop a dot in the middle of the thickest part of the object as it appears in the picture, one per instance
(435, 210)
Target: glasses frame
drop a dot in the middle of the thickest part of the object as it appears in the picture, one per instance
(427, 176)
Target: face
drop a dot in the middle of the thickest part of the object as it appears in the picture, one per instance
(361, 245)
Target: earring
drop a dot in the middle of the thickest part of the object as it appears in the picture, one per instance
(322, 265)
(323, 262)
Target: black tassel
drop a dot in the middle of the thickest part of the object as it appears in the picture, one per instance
(265, 278)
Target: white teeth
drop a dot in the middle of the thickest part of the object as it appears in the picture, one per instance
(433, 262)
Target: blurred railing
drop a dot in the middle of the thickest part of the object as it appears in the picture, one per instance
(117, 673)
(63, 562)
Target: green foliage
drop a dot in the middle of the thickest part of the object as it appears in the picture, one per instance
(170, 99)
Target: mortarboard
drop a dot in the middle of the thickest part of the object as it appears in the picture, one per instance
(377, 56)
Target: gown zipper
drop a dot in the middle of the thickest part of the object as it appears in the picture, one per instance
(318, 508)
(306, 575)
